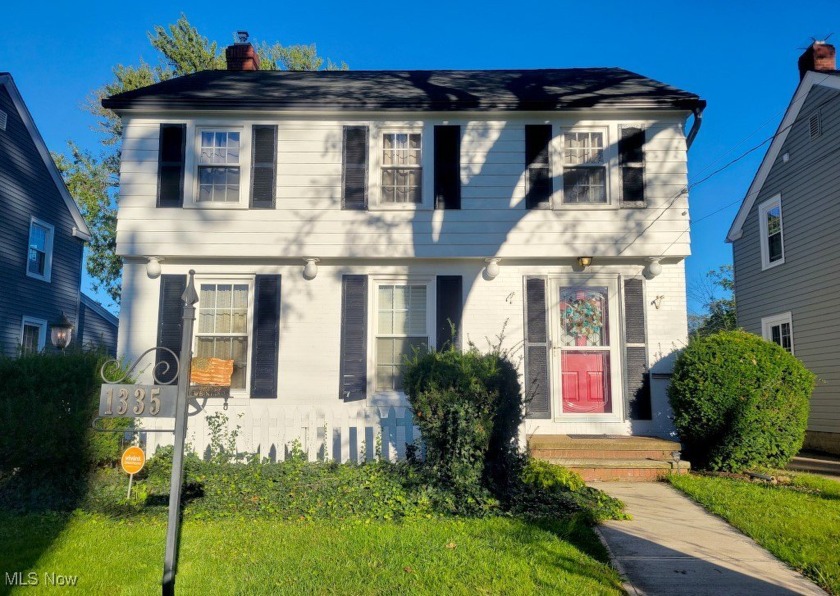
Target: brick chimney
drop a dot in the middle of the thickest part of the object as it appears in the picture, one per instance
(819, 56)
(242, 55)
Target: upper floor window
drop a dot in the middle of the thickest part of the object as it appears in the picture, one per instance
(39, 259)
(584, 168)
(779, 330)
(218, 167)
(402, 169)
(772, 242)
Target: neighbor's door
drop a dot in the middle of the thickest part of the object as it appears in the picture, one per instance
(584, 348)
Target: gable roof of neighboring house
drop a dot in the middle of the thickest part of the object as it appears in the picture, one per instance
(417, 90)
(80, 230)
(811, 79)
(99, 309)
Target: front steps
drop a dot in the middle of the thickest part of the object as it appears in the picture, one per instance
(605, 457)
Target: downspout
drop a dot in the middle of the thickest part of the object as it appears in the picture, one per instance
(695, 126)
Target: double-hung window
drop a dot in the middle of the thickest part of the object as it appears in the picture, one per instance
(39, 257)
(33, 335)
(219, 167)
(401, 326)
(772, 242)
(402, 170)
(779, 330)
(584, 168)
(223, 326)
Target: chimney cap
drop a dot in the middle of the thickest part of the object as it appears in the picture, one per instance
(242, 37)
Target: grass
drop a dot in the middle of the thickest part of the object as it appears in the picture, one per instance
(799, 523)
(494, 555)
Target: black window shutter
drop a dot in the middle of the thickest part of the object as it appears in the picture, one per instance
(538, 166)
(355, 169)
(264, 165)
(447, 167)
(537, 387)
(450, 304)
(171, 151)
(353, 369)
(266, 337)
(631, 158)
(638, 375)
(170, 313)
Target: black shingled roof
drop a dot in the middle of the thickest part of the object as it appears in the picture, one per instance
(414, 90)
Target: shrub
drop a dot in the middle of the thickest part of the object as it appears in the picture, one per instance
(548, 476)
(468, 406)
(739, 402)
(48, 402)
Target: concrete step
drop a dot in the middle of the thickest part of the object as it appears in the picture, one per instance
(602, 443)
(643, 470)
(608, 453)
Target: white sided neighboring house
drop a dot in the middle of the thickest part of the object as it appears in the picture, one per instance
(337, 219)
(785, 253)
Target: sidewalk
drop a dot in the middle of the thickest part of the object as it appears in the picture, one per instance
(673, 546)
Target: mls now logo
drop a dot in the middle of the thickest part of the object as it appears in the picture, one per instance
(18, 578)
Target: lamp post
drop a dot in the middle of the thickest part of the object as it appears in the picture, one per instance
(61, 333)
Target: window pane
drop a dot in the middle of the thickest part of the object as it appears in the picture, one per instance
(774, 246)
(31, 335)
(584, 148)
(204, 347)
(38, 237)
(774, 220)
(584, 185)
(776, 334)
(785, 336)
(37, 261)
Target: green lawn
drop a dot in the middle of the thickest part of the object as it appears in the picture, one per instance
(261, 556)
(800, 523)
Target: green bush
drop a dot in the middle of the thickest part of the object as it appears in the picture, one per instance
(468, 407)
(548, 476)
(739, 402)
(47, 403)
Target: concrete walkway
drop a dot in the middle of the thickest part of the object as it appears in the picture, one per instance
(673, 546)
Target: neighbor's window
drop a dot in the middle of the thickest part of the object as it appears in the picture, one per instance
(400, 327)
(218, 167)
(223, 327)
(779, 330)
(584, 168)
(33, 335)
(401, 168)
(772, 243)
(39, 260)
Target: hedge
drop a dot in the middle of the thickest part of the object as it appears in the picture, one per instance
(739, 402)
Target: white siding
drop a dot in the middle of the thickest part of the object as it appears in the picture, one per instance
(493, 221)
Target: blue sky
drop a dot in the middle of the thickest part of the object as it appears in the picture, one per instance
(738, 55)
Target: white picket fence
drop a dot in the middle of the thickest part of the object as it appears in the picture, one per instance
(341, 434)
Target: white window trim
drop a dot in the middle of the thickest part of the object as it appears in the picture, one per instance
(763, 208)
(249, 323)
(558, 168)
(391, 397)
(192, 162)
(50, 242)
(767, 324)
(615, 315)
(42, 333)
(375, 147)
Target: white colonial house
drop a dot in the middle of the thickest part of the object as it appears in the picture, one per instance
(337, 219)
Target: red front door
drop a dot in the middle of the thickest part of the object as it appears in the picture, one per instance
(584, 346)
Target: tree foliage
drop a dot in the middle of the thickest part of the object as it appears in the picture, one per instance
(93, 180)
(718, 297)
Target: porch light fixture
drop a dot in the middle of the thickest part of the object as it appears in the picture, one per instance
(61, 332)
(153, 267)
(310, 270)
(654, 268)
(492, 268)
(584, 262)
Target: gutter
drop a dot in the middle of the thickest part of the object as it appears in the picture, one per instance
(695, 126)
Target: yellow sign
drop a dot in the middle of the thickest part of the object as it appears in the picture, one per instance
(133, 459)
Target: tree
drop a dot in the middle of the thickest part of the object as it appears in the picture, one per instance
(717, 293)
(94, 180)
